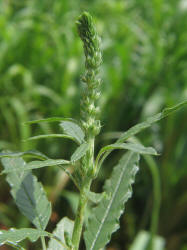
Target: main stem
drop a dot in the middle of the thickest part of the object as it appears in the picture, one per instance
(83, 199)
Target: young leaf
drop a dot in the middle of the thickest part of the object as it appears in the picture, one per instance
(105, 217)
(50, 119)
(96, 197)
(139, 127)
(28, 193)
(30, 153)
(38, 137)
(33, 165)
(65, 225)
(17, 235)
(74, 130)
(80, 152)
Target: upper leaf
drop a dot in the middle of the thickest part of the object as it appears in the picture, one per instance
(17, 235)
(50, 119)
(155, 118)
(38, 137)
(29, 153)
(135, 147)
(105, 217)
(80, 152)
(33, 165)
(74, 130)
(65, 225)
(28, 193)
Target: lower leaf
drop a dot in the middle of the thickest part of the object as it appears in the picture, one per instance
(17, 235)
(105, 217)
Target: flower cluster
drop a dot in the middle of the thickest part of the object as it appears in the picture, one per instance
(91, 41)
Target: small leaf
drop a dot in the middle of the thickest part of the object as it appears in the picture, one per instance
(30, 153)
(80, 152)
(74, 130)
(141, 242)
(139, 127)
(95, 197)
(105, 217)
(50, 119)
(65, 225)
(34, 165)
(17, 235)
(47, 136)
(27, 192)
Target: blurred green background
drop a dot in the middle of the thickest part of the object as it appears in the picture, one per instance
(144, 69)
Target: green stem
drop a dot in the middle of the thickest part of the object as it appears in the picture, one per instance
(43, 243)
(79, 220)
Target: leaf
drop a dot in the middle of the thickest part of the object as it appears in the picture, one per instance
(139, 127)
(50, 119)
(65, 225)
(74, 130)
(17, 235)
(96, 197)
(135, 147)
(50, 136)
(105, 217)
(33, 165)
(28, 193)
(141, 242)
(30, 153)
(80, 152)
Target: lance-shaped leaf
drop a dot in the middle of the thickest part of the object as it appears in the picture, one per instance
(33, 165)
(28, 193)
(17, 235)
(105, 217)
(135, 147)
(155, 118)
(50, 119)
(141, 126)
(74, 130)
(80, 152)
(65, 225)
(29, 153)
(47, 136)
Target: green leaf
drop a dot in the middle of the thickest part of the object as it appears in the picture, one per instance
(30, 153)
(50, 119)
(135, 147)
(65, 225)
(105, 217)
(27, 192)
(96, 197)
(141, 242)
(17, 235)
(33, 165)
(74, 130)
(139, 127)
(47, 136)
(80, 152)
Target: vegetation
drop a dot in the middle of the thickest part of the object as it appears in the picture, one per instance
(144, 52)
